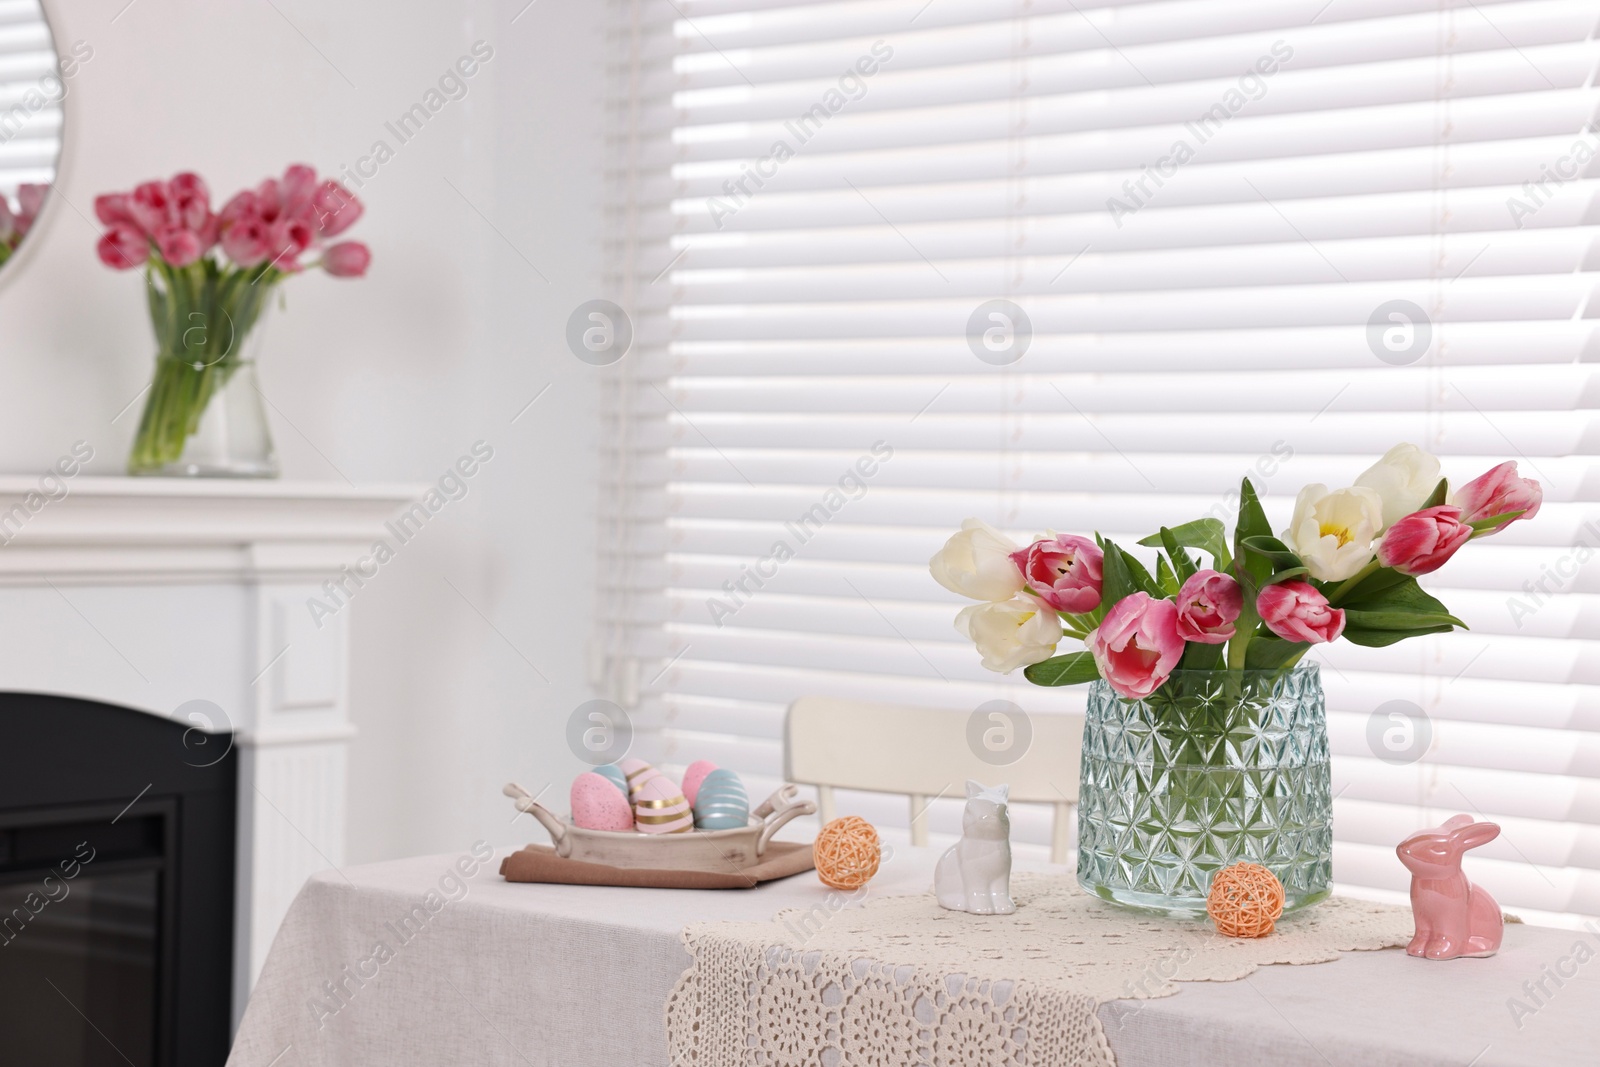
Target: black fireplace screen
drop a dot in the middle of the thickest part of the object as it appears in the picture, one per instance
(116, 888)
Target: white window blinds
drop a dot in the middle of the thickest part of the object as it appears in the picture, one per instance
(1257, 237)
(31, 91)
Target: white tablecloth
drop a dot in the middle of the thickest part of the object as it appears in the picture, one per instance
(570, 976)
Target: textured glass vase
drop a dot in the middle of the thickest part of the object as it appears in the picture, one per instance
(1213, 768)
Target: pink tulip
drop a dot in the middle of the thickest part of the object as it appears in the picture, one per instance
(269, 198)
(123, 247)
(178, 246)
(30, 201)
(30, 197)
(286, 239)
(8, 223)
(191, 200)
(1496, 492)
(151, 207)
(240, 205)
(336, 207)
(349, 259)
(1424, 541)
(299, 187)
(1065, 571)
(1137, 645)
(244, 237)
(1295, 611)
(112, 209)
(1208, 605)
(209, 232)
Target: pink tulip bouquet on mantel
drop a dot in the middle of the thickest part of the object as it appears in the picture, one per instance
(1345, 567)
(1205, 738)
(209, 277)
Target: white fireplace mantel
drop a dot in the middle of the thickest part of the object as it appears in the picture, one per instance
(189, 599)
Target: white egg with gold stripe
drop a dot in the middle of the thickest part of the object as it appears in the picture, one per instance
(659, 808)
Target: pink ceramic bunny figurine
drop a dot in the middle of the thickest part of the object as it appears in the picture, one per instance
(1453, 916)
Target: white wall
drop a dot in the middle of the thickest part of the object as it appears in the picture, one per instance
(386, 379)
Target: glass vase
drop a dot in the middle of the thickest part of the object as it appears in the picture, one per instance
(204, 416)
(1213, 768)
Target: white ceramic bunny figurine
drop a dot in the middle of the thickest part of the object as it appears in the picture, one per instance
(975, 874)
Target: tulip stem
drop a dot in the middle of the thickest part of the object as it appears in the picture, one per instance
(201, 315)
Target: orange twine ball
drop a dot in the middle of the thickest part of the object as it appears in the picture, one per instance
(847, 853)
(1245, 900)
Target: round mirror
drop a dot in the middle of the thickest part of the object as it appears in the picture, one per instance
(33, 85)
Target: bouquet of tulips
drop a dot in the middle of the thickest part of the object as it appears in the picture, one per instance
(210, 274)
(15, 222)
(1346, 567)
(261, 233)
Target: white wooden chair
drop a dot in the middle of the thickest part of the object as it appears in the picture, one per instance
(924, 752)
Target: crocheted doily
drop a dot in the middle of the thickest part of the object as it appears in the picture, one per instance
(899, 981)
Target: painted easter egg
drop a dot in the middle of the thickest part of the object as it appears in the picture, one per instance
(637, 772)
(613, 774)
(658, 808)
(597, 805)
(721, 803)
(693, 776)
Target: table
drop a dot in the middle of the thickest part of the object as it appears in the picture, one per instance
(571, 976)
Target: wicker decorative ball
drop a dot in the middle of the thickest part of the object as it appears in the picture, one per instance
(847, 853)
(1245, 900)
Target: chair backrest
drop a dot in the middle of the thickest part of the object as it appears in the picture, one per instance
(928, 753)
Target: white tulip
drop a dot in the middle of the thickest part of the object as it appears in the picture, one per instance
(1011, 634)
(977, 563)
(1404, 478)
(1333, 531)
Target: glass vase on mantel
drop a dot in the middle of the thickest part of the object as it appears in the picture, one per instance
(204, 415)
(210, 278)
(1213, 768)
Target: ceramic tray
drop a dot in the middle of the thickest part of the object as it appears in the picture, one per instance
(701, 850)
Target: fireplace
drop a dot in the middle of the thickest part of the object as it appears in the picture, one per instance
(117, 841)
(150, 600)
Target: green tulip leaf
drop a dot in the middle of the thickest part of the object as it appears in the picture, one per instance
(1072, 668)
(1437, 497)
(1122, 576)
(1252, 518)
(1380, 638)
(1207, 535)
(1183, 567)
(1492, 523)
(1274, 551)
(1269, 652)
(1165, 578)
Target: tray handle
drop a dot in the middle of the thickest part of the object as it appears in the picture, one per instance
(784, 804)
(558, 830)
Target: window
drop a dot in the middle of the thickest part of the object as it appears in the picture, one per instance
(1273, 238)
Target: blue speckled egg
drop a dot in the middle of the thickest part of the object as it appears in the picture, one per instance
(721, 802)
(613, 774)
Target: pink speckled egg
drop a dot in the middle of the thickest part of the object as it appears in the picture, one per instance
(693, 776)
(597, 804)
(638, 772)
(658, 808)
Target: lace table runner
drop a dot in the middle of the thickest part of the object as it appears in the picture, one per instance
(899, 981)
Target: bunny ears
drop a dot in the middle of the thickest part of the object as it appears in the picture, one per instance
(1461, 832)
(997, 793)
